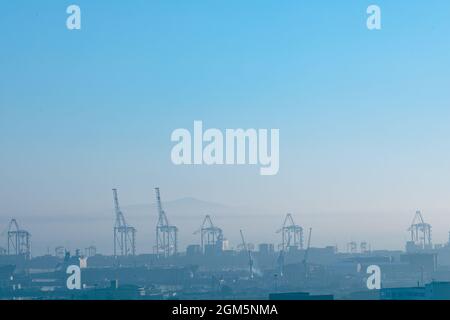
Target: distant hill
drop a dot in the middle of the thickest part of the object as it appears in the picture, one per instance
(179, 208)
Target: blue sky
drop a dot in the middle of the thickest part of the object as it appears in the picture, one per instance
(363, 115)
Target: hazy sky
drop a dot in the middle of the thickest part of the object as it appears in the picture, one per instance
(363, 115)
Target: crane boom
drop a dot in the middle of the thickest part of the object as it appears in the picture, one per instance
(116, 200)
(250, 259)
(120, 219)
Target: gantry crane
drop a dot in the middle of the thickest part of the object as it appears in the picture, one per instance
(124, 235)
(291, 234)
(210, 235)
(19, 241)
(166, 234)
(420, 232)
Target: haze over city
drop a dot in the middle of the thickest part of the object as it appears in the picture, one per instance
(363, 118)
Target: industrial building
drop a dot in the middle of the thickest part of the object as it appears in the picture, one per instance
(210, 269)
